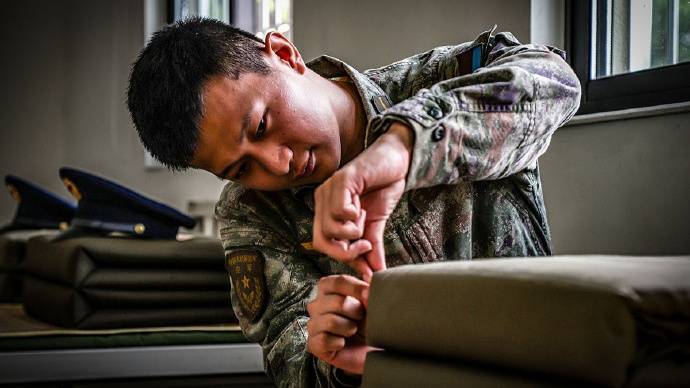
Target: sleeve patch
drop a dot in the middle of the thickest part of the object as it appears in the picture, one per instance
(246, 270)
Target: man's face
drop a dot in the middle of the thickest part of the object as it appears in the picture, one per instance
(268, 132)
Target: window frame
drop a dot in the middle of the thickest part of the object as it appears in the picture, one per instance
(643, 88)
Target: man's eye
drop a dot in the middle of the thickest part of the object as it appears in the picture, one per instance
(261, 129)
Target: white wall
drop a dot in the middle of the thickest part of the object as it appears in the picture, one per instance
(64, 99)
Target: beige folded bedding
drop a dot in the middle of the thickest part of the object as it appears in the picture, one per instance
(387, 369)
(593, 318)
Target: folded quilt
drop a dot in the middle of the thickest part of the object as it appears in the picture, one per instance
(74, 261)
(388, 369)
(100, 309)
(592, 318)
(97, 282)
(12, 254)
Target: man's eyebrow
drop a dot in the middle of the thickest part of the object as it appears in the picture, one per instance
(243, 131)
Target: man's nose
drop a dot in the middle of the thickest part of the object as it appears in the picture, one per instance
(275, 158)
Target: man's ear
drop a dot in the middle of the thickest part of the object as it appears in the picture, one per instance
(277, 44)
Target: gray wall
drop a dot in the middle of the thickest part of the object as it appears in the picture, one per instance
(374, 33)
(64, 78)
(32, 124)
(620, 186)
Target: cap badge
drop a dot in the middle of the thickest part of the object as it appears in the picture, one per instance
(72, 188)
(14, 193)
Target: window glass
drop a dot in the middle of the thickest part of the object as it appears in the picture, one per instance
(216, 9)
(634, 35)
(273, 15)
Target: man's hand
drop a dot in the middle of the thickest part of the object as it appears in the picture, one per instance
(352, 206)
(336, 322)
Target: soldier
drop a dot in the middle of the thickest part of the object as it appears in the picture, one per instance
(430, 158)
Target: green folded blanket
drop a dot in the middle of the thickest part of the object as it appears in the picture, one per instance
(12, 253)
(20, 332)
(196, 262)
(591, 318)
(97, 282)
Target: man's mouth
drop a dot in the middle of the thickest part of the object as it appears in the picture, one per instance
(308, 167)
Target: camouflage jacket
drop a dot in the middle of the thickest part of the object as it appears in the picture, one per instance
(482, 113)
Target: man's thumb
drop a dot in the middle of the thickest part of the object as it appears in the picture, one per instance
(377, 256)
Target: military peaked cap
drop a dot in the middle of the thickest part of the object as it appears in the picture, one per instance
(37, 208)
(105, 207)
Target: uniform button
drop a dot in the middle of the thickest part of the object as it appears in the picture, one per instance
(435, 112)
(438, 134)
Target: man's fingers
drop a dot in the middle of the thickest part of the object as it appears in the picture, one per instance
(332, 324)
(351, 358)
(361, 220)
(376, 258)
(342, 250)
(341, 205)
(343, 285)
(348, 212)
(346, 306)
(323, 343)
(348, 230)
(361, 266)
(359, 248)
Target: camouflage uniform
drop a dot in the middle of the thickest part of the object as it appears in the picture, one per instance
(473, 189)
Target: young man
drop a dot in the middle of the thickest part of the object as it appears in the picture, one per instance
(430, 158)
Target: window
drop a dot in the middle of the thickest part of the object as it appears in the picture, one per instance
(630, 53)
(256, 16)
(273, 15)
(216, 9)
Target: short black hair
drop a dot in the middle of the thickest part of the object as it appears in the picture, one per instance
(167, 79)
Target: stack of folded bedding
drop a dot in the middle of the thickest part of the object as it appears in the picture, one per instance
(610, 321)
(11, 256)
(116, 282)
(38, 212)
(12, 251)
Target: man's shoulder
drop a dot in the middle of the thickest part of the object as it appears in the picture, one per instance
(232, 192)
(229, 199)
(403, 78)
(237, 201)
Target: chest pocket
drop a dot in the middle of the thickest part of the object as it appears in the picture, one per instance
(421, 231)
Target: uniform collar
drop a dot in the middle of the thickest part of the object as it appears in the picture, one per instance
(373, 98)
(369, 92)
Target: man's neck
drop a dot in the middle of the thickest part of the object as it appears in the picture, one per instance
(352, 121)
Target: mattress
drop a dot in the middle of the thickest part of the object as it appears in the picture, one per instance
(592, 318)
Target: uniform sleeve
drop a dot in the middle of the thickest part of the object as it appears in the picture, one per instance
(290, 283)
(490, 123)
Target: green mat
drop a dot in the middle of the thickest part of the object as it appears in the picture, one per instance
(20, 332)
